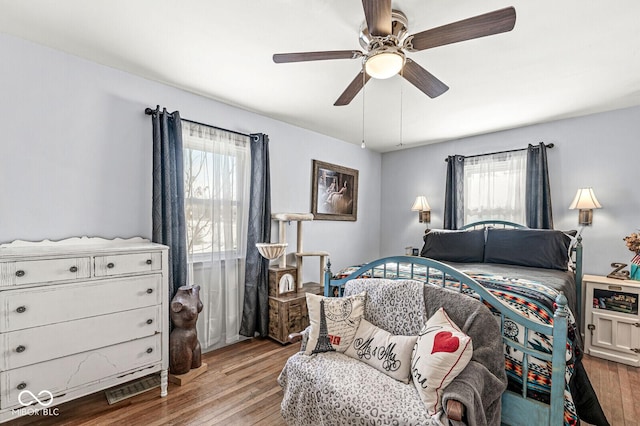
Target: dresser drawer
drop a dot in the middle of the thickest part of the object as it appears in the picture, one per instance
(44, 271)
(58, 375)
(34, 307)
(107, 266)
(33, 345)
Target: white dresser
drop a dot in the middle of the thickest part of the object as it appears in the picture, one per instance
(78, 316)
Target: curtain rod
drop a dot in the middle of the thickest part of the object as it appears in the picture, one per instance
(550, 145)
(150, 111)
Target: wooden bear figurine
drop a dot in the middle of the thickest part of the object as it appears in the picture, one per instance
(184, 348)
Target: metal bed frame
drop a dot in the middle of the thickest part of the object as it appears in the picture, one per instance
(517, 408)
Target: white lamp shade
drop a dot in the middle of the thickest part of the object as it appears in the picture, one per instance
(585, 199)
(420, 205)
(384, 65)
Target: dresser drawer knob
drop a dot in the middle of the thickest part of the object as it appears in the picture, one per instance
(149, 350)
(149, 290)
(20, 349)
(20, 273)
(110, 265)
(21, 385)
(73, 269)
(149, 261)
(21, 309)
(149, 321)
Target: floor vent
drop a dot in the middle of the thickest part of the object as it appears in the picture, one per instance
(132, 388)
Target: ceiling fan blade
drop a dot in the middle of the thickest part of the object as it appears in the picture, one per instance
(281, 58)
(423, 79)
(352, 89)
(377, 13)
(498, 21)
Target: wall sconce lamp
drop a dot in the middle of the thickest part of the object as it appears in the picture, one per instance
(585, 201)
(421, 206)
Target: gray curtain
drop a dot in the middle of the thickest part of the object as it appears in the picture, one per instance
(169, 226)
(538, 195)
(454, 193)
(255, 313)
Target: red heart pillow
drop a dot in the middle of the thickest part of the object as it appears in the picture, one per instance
(441, 352)
(445, 341)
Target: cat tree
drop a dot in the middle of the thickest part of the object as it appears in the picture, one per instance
(283, 273)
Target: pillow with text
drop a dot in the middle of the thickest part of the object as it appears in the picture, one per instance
(441, 352)
(333, 322)
(383, 351)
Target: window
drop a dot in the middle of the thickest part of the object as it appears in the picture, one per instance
(495, 186)
(217, 169)
(216, 186)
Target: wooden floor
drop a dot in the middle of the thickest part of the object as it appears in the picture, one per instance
(618, 390)
(240, 388)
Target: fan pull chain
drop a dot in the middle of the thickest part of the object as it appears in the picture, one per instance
(362, 145)
(401, 81)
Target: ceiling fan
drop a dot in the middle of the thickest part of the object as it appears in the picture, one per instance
(384, 38)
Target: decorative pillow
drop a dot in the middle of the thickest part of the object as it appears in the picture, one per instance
(382, 350)
(441, 352)
(334, 322)
(537, 248)
(454, 246)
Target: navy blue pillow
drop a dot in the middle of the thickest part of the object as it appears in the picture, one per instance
(537, 248)
(454, 246)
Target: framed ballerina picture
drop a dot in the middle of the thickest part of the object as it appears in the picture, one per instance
(334, 192)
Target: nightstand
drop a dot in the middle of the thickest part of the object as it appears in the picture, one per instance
(612, 321)
(288, 313)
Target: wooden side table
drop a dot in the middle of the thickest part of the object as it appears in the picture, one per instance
(288, 313)
(612, 319)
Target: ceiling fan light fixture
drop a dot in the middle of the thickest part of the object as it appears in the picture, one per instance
(384, 39)
(384, 65)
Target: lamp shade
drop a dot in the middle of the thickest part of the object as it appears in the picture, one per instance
(420, 204)
(585, 199)
(384, 64)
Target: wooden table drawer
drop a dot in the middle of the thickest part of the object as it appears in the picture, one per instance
(37, 344)
(44, 271)
(127, 264)
(58, 375)
(66, 302)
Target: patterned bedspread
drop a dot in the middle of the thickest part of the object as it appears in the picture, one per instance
(559, 280)
(528, 298)
(535, 301)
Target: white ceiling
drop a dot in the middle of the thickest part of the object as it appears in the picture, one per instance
(563, 59)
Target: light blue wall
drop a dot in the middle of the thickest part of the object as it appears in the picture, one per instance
(75, 159)
(599, 150)
(75, 155)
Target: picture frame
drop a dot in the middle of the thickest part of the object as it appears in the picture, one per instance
(334, 192)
